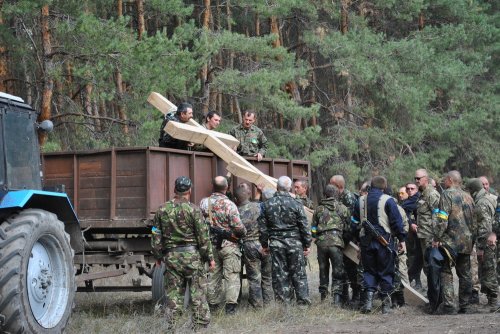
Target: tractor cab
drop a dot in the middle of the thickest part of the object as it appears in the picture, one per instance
(19, 151)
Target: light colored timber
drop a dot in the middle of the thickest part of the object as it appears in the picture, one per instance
(165, 106)
(412, 296)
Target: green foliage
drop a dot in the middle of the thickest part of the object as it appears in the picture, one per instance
(387, 98)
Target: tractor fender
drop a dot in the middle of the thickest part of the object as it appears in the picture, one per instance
(55, 202)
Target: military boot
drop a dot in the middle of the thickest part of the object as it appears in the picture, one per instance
(398, 299)
(345, 293)
(493, 302)
(323, 295)
(230, 309)
(386, 304)
(355, 300)
(368, 302)
(474, 297)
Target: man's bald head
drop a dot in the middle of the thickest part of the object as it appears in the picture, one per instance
(220, 184)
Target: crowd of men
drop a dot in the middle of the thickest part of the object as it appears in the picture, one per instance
(424, 232)
(272, 237)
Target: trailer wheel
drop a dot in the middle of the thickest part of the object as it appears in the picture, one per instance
(37, 277)
(158, 285)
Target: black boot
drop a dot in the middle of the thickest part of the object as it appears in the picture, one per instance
(398, 299)
(323, 295)
(230, 309)
(386, 304)
(356, 299)
(345, 293)
(368, 302)
(474, 297)
(493, 302)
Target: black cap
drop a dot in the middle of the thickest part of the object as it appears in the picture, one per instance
(182, 184)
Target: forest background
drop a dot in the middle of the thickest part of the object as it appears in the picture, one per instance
(356, 87)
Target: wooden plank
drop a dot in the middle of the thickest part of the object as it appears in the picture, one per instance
(412, 296)
(161, 103)
(165, 106)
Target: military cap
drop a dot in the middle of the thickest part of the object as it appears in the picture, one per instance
(474, 185)
(182, 184)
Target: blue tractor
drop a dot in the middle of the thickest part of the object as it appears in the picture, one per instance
(38, 230)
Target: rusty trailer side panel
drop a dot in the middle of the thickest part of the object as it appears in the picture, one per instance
(120, 188)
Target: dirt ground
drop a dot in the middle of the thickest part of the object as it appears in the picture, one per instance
(127, 312)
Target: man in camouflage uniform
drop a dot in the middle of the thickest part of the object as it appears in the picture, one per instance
(353, 271)
(428, 201)
(485, 204)
(300, 188)
(183, 114)
(284, 230)
(453, 227)
(226, 227)
(253, 142)
(257, 264)
(180, 238)
(330, 221)
(496, 230)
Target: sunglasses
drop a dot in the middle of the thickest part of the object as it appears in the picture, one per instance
(418, 178)
(411, 188)
(402, 193)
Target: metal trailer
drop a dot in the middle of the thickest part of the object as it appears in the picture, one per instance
(115, 193)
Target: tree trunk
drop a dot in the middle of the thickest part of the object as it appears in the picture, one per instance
(141, 27)
(204, 71)
(48, 84)
(344, 16)
(119, 83)
(3, 59)
(312, 61)
(119, 8)
(421, 21)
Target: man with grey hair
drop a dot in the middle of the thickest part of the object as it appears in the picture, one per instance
(454, 230)
(285, 232)
(300, 188)
(428, 201)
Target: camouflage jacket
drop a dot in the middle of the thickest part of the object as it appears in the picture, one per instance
(165, 139)
(250, 213)
(428, 201)
(348, 199)
(330, 221)
(179, 223)
(496, 221)
(252, 141)
(305, 201)
(453, 222)
(225, 215)
(283, 217)
(484, 211)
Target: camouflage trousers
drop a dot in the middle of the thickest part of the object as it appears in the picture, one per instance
(331, 255)
(258, 270)
(474, 270)
(488, 271)
(401, 274)
(288, 263)
(183, 268)
(464, 282)
(224, 284)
